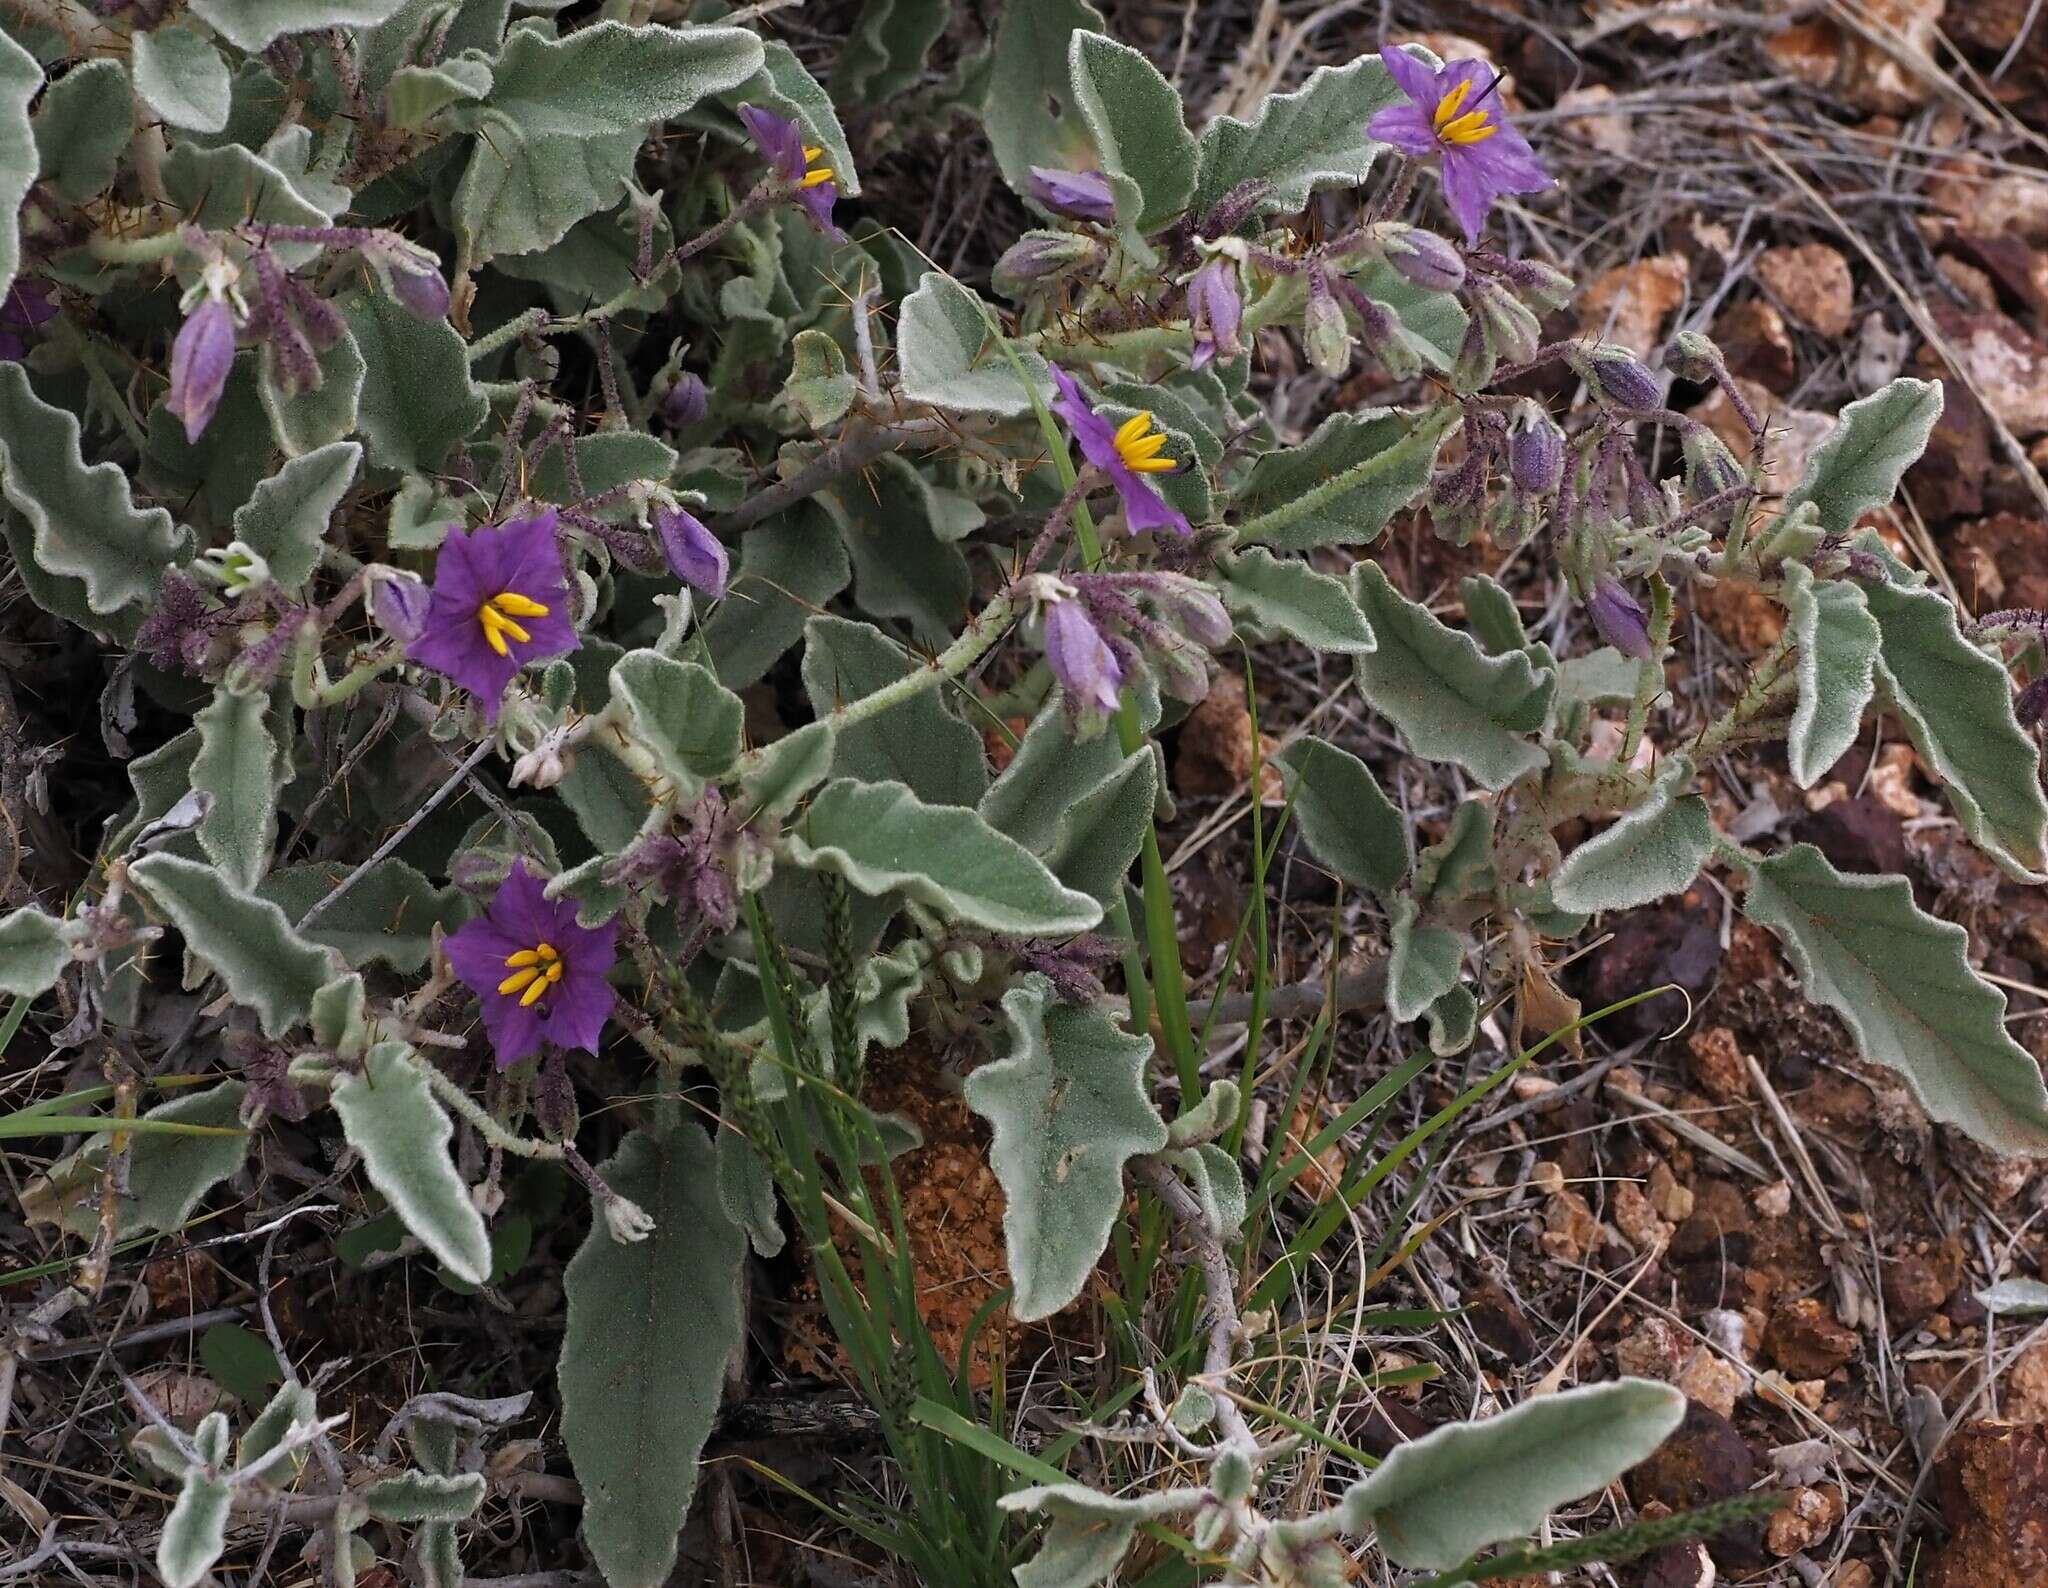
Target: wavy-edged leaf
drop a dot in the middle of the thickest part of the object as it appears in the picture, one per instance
(1901, 982)
(1654, 849)
(84, 122)
(1090, 1532)
(947, 356)
(1874, 442)
(1345, 818)
(387, 915)
(33, 953)
(236, 767)
(416, 94)
(20, 77)
(1100, 834)
(417, 398)
(1300, 143)
(82, 521)
(918, 743)
(1422, 962)
(1285, 595)
(643, 1359)
(789, 568)
(1451, 701)
(391, 1116)
(1461, 1487)
(1029, 111)
(885, 53)
(180, 76)
(2015, 1297)
(253, 25)
(196, 1530)
(681, 714)
(1837, 642)
(285, 520)
(232, 185)
(783, 772)
(424, 1496)
(1142, 142)
(881, 836)
(1051, 771)
(1341, 485)
(168, 1173)
(268, 967)
(1068, 1107)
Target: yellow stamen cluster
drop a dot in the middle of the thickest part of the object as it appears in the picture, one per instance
(817, 175)
(498, 615)
(535, 969)
(1139, 445)
(1475, 126)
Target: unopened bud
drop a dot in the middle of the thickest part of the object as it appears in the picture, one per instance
(1513, 333)
(1423, 257)
(1620, 618)
(687, 403)
(399, 603)
(1694, 357)
(1544, 286)
(1617, 375)
(1710, 468)
(1535, 451)
(1324, 335)
(1042, 256)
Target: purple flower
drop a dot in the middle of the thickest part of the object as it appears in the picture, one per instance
(499, 602)
(687, 402)
(415, 279)
(201, 358)
(695, 555)
(1215, 310)
(1448, 113)
(781, 142)
(399, 603)
(1079, 195)
(539, 976)
(1620, 618)
(27, 305)
(1126, 453)
(1080, 658)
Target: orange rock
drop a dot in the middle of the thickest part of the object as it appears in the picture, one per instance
(1972, 283)
(1993, 1486)
(1757, 344)
(1808, 1517)
(2007, 363)
(1215, 755)
(1813, 284)
(1807, 1340)
(1630, 303)
(1717, 1065)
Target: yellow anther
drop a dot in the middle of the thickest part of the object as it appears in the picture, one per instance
(812, 151)
(515, 605)
(542, 982)
(817, 178)
(548, 952)
(1447, 107)
(526, 956)
(497, 614)
(1472, 127)
(518, 979)
(1139, 445)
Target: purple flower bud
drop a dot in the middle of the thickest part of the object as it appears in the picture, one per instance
(1080, 658)
(695, 555)
(399, 603)
(1040, 256)
(1547, 287)
(1694, 357)
(1710, 468)
(1324, 335)
(687, 402)
(1620, 618)
(1188, 604)
(1424, 258)
(1215, 310)
(1535, 451)
(1617, 376)
(1512, 332)
(1476, 361)
(201, 358)
(416, 284)
(1081, 195)
(26, 305)
(2033, 702)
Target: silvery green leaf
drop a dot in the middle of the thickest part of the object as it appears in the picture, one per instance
(523, 192)
(1956, 703)
(1302, 142)
(819, 383)
(292, 1407)
(1142, 142)
(210, 1439)
(82, 521)
(417, 399)
(1209, 1118)
(1422, 962)
(1432, 322)
(746, 1188)
(783, 86)
(20, 77)
(168, 1173)
(236, 768)
(473, 25)
(180, 76)
(86, 119)
(1100, 833)
(392, 1117)
(1495, 621)
(918, 743)
(1218, 1186)
(640, 1386)
(1029, 110)
(252, 25)
(1902, 983)
(788, 569)
(1837, 644)
(1453, 1022)
(2016, 1297)
(1090, 1532)
(885, 52)
(597, 900)
(1655, 849)
(322, 415)
(33, 953)
(880, 836)
(416, 94)
(196, 1530)
(1451, 701)
(232, 185)
(160, 779)
(286, 520)
(1460, 863)
(902, 567)
(1341, 485)
(268, 967)
(608, 800)
(783, 772)
(1602, 677)
(1068, 1108)
(604, 461)
(1345, 819)
(437, 1556)
(1283, 595)
(682, 716)
(388, 915)
(1461, 1487)
(424, 1496)
(1874, 442)
(340, 1019)
(1051, 771)
(947, 355)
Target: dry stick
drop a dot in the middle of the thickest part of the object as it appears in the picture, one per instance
(1220, 1277)
(434, 802)
(852, 453)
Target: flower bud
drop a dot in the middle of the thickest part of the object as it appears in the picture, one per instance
(1619, 617)
(1324, 335)
(687, 402)
(1694, 357)
(1215, 310)
(1190, 606)
(1710, 468)
(1512, 333)
(2033, 702)
(1041, 256)
(201, 360)
(1424, 258)
(1080, 658)
(1535, 451)
(415, 279)
(625, 1220)
(1617, 376)
(1080, 195)
(1545, 286)
(237, 567)
(1473, 368)
(695, 555)
(398, 604)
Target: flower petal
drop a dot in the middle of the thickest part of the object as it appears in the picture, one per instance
(1415, 78)
(1145, 508)
(1469, 190)
(1406, 127)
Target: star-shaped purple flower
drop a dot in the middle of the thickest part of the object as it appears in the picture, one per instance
(539, 976)
(781, 142)
(1126, 453)
(1456, 113)
(499, 602)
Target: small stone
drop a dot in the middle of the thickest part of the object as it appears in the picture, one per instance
(1807, 1340)
(1712, 1380)
(1719, 1226)
(1215, 752)
(1989, 1481)
(1974, 284)
(1774, 1201)
(1854, 1574)
(1653, 1349)
(1808, 1517)
(1570, 1230)
(1629, 304)
(2027, 1387)
(1637, 1220)
(1671, 1200)
(1717, 1066)
(1813, 285)
(1858, 834)
(1705, 1461)
(2007, 364)
(1547, 1177)
(2011, 204)
(1948, 481)
(1793, 1394)
(1527, 1086)
(1917, 1287)
(1757, 344)
(1891, 780)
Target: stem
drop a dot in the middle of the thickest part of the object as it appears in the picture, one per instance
(989, 625)
(846, 456)
(136, 250)
(1650, 676)
(475, 1113)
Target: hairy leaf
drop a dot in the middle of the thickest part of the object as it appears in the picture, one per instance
(946, 354)
(268, 967)
(918, 743)
(1902, 983)
(20, 77)
(1285, 595)
(252, 25)
(1422, 962)
(1837, 642)
(788, 569)
(885, 52)
(417, 399)
(1090, 1532)
(1051, 771)
(237, 767)
(1141, 137)
(196, 1530)
(1655, 849)
(33, 953)
(681, 714)
(640, 1386)
(1341, 485)
(1068, 1108)
(86, 119)
(387, 915)
(181, 77)
(1874, 442)
(1302, 142)
(167, 1173)
(1345, 819)
(788, 769)
(1029, 110)
(783, 86)
(424, 1496)
(285, 520)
